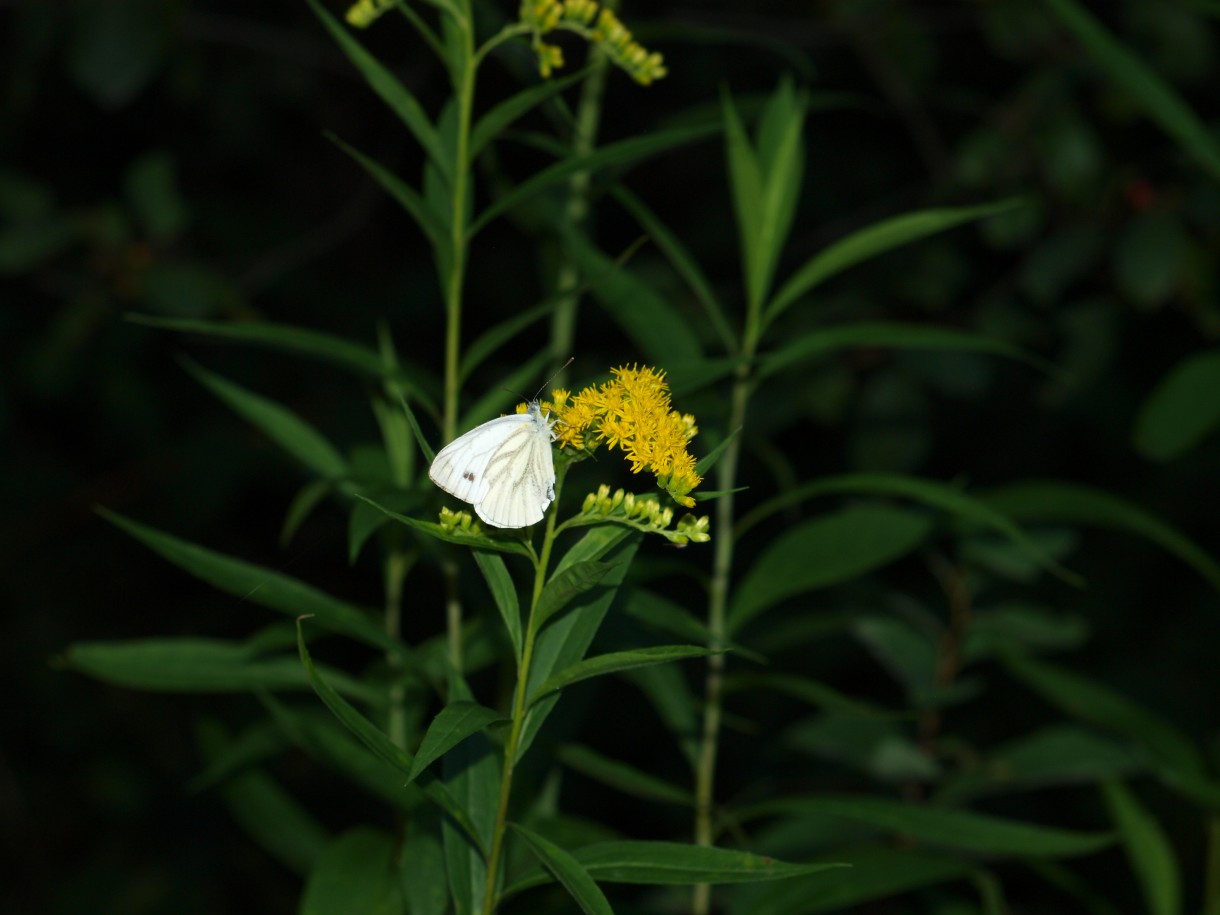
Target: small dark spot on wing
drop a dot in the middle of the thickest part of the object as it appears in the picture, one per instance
(468, 476)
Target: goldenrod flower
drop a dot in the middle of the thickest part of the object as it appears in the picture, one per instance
(632, 412)
(543, 16)
(364, 13)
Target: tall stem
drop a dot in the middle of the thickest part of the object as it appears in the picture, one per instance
(464, 79)
(718, 599)
(519, 709)
(397, 563)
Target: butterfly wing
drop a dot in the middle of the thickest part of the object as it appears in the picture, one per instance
(460, 468)
(521, 479)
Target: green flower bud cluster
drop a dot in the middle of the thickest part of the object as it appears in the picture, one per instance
(597, 25)
(644, 513)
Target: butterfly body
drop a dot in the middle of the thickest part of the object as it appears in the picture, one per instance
(503, 468)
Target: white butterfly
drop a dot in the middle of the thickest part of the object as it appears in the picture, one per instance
(503, 468)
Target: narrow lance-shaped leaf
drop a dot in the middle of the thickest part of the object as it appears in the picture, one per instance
(1148, 850)
(390, 90)
(280, 424)
(500, 116)
(373, 738)
(1149, 89)
(261, 586)
(1181, 410)
(568, 871)
(870, 242)
(456, 721)
(354, 874)
(622, 777)
(614, 662)
(565, 585)
(483, 542)
(495, 573)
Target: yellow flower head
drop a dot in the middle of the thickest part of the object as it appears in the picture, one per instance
(594, 23)
(631, 412)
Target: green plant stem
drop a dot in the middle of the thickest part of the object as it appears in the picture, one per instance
(722, 564)
(397, 563)
(519, 707)
(1211, 870)
(464, 81)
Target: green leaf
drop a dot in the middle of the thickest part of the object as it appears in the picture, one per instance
(676, 864)
(621, 776)
(1054, 755)
(486, 407)
(746, 180)
(456, 721)
(932, 493)
(1146, 87)
(624, 152)
(658, 331)
(409, 198)
(1148, 850)
(497, 335)
(873, 873)
(709, 460)
(387, 87)
(566, 585)
(1098, 705)
(795, 353)
(568, 871)
(669, 693)
(781, 157)
(479, 542)
(278, 423)
(1075, 504)
(495, 573)
(354, 876)
(682, 261)
(832, 548)
(614, 662)
(472, 775)
(268, 813)
(422, 867)
(1181, 410)
(872, 241)
(191, 665)
(262, 587)
(963, 830)
(308, 498)
(373, 738)
(814, 692)
(493, 123)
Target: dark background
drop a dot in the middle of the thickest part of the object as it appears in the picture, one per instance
(169, 159)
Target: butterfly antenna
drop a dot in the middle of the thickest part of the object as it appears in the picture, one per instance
(571, 359)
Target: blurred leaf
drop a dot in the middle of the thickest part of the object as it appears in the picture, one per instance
(910, 656)
(486, 407)
(497, 335)
(1147, 88)
(794, 353)
(1182, 410)
(409, 199)
(683, 261)
(1148, 850)
(832, 548)
(875, 745)
(872, 873)
(117, 47)
(813, 692)
(622, 153)
(876, 239)
(193, 665)
(25, 246)
(151, 185)
(658, 331)
(622, 777)
(614, 662)
(1098, 705)
(268, 814)
(675, 864)
(308, 498)
(568, 871)
(422, 867)
(186, 290)
(281, 425)
(962, 830)
(566, 585)
(500, 116)
(261, 586)
(1148, 258)
(712, 458)
(747, 182)
(1072, 503)
(1053, 755)
(504, 593)
(456, 721)
(373, 738)
(472, 775)
(668, 692)
(387, 87)
(1010, 626)
(354, 876)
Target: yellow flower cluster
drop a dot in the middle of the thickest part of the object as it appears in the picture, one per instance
(643, 513)
(632, 412)
(544, 16)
